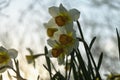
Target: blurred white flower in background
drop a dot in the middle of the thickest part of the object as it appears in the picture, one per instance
(5, 58)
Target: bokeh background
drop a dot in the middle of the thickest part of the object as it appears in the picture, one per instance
(21, 27)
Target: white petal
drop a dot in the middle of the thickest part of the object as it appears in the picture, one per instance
(13, 53)
(2, 49)
(61, 59)
(69, 27)
(3, 69)
(76, 44)
(75, 14)
(62, 30)
(10, 63)
(62, 9)
(54, 11)
(51, 24)
(59, 32)
(49, 53)
(69, 50)
(3, 66)
(51, 42)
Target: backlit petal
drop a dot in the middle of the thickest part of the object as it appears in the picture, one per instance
(51, 43)
(62, 9)
(61, 59)
(54, 11)
(75, 14)
(13, 53)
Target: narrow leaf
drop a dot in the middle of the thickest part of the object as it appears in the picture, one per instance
(48, 61)
(93, 40)
(99, 61)
(58, 76)
(118, 38)
(75, 73)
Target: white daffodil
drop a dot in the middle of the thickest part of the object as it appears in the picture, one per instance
(67, 39)
(5, 58)
(63, 17)
(63, 47)
(51, 28)
(58, 51)
(60, 30)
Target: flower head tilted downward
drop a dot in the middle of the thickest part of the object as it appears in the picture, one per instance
(5, 58)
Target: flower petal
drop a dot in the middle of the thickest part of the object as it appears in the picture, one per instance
(50, 53)
(2, 69)
(61, 59)
(69, 27)
(54, 11)
(51, 24)
(62, 9)
(3, 66)
(10, 63)
(2, 49)
(13, 53)
(76, 44)
(29, 58)
(75, 14)
(51, 42)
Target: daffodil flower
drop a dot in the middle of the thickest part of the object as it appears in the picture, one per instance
(31, 58)
(5, 58)
(58, 51)
(67, 39)
(51, 28)
(63, 17)
(63, 48)
(60, 30)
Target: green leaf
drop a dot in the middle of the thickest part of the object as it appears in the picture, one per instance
(93, 40)
(58, 76)
(71, 61)
(48, 62)
(82, 65)
(118, 38)
(75, 73)
(18, 76)
(99, 61)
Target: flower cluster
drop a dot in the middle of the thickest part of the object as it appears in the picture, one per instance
(5, 58)
(62, 36)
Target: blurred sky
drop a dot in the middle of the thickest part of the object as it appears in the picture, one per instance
(21, 22)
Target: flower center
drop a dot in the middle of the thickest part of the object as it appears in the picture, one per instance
(65, 39)
(4, 58)
(61, 20)
(51, 31)
(57, 51)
